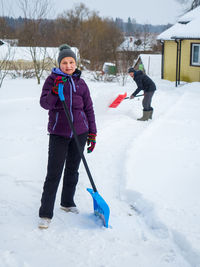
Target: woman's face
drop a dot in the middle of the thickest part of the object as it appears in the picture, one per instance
(68, 65)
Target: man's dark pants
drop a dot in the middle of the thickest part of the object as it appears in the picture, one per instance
(146, 102)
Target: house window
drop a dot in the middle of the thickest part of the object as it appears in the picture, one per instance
(195, 60)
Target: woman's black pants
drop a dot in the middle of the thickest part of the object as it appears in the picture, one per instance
(62, 151)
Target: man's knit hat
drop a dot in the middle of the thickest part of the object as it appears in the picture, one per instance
(65, 51)
(131, 70)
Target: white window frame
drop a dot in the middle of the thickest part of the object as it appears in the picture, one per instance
(192, 58)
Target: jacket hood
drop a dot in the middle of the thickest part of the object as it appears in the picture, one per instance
(58, 71)
(137, 73)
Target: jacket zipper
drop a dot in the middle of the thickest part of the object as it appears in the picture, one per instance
(57, 114)
(84, 119)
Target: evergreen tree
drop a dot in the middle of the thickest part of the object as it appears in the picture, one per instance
(129, 27)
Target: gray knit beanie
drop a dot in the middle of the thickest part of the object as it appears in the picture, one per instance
(65, 51)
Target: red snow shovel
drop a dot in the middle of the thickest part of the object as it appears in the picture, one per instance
(101, 208)
(119, 99)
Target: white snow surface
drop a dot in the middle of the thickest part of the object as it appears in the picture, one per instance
(148, 173)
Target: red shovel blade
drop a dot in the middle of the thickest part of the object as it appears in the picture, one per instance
(117, 101)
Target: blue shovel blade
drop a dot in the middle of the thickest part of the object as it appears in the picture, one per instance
(101, 208)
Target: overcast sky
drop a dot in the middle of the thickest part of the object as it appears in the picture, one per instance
(144, 11)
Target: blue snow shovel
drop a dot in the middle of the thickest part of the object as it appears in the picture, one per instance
(101, 208)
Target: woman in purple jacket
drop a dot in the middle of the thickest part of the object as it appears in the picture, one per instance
(62, 146)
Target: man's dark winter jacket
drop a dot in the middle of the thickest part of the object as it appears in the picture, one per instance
(78, 101)
(143, 83)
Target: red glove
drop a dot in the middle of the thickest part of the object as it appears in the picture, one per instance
(91, 142)
(59, 79)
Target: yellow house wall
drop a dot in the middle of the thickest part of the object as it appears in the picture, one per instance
(188, 73)
(170, 61)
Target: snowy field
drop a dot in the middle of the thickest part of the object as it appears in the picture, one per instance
(148, 173)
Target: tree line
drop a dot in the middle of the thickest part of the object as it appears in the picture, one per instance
(96, 38)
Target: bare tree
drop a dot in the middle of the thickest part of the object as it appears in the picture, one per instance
(6, 51)
(6, 57)
(191, 4)
(40, 64)
(5, 29)
(146, 37)
(125, 60)
(34, 9)
(100, 38)
(96, 38)
(195, 3)
(34, 12)
(70, 26)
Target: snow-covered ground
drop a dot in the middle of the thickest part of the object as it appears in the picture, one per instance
(148, 173)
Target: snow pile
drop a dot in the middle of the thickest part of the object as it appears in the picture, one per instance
(148, 173)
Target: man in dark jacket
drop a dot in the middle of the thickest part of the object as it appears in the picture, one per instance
(148, 86)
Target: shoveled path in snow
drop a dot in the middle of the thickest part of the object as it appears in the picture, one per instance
(164, 188)
(77, 240)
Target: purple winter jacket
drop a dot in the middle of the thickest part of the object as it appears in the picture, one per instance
(79, 103)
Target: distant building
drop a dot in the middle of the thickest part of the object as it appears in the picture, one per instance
(181, 49)
(131, 43)
(130, 49)
(12, 42)
(149, 64)
(109, 68)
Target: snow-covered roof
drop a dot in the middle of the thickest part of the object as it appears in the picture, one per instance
(151, 63)
(130, 45)
(108, 64)
(1, 42)
(187, 27)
